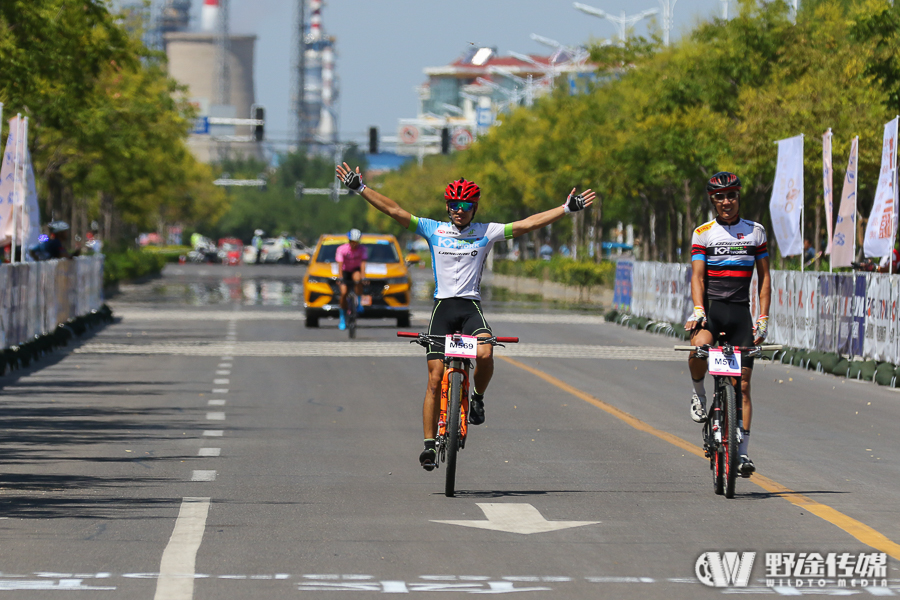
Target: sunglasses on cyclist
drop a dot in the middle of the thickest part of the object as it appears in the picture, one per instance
(720, 196)
(463, 206)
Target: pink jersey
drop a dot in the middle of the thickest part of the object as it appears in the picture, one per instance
(351, 259)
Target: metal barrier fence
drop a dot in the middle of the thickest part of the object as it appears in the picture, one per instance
(852, 314)
(35, 297)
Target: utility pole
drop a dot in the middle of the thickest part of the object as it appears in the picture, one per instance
(300, 75)
(668, 18)
(223, 73)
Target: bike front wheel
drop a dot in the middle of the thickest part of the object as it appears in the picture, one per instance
(351, 314)
(716, 462)
(453, 431)
(729, 439)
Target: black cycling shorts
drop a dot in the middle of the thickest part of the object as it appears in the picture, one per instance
(347, 276)
(735, 320)
(452, 315)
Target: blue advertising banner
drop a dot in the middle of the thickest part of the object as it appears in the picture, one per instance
(844, 298)
(623, 286)
(859, 315)
(827, 301)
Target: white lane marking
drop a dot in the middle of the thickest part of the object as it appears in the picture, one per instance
(516, 518)
(216, 402)
(221, 381)
(223, 372)
(209, 452)
(203, 475)
(227, 358)
(224, 365)
(45, 584)
(213, 433)
(137, 313)
(880, 591)
(176, 569)
(382, 350)
(220, 390)
(215, 416)
(611, 579)
(787, 591)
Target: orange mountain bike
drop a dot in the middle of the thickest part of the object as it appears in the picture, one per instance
(459, 352)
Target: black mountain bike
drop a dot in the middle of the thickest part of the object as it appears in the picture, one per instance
(351, 312)
(721, 434)
(459, 353)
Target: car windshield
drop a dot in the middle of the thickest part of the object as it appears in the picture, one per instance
(379, 252)
(229, 247)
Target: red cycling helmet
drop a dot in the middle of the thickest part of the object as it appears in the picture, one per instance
(463, 190)
(723, 182)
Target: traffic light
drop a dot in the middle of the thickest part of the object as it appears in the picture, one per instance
(373, 140)
(445, 140)
(259, 130)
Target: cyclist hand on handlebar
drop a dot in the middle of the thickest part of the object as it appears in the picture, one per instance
(697, 319)
(761, 329)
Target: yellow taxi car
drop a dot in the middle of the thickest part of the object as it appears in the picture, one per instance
(385, 295)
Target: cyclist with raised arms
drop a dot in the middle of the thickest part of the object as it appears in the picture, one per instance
(724, 253)
(351, 257)
(459, 247)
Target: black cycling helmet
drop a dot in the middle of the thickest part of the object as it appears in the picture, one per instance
(723, 182)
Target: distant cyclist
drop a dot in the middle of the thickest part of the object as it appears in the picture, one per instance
(55, 244)
(352, 258)
(257, 242)
(458, 251)
(724, 253)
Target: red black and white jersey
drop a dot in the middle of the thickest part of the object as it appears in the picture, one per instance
(730, 253)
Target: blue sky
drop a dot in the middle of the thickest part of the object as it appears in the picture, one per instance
(384, 45)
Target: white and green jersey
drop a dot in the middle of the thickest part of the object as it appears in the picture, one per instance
(457, 256)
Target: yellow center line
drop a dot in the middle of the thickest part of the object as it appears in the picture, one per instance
(857, 529)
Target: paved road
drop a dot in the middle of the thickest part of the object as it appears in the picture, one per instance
(207, 445)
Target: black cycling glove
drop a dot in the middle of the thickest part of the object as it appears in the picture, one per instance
(574, 203)
(353, 181)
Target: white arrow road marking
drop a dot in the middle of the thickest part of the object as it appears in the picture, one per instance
(515, 518)
(176, 570)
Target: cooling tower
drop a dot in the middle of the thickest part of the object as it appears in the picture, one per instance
(192, 62)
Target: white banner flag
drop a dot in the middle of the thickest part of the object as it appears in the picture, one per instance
(882, 225)
(12, 184)
(844, 242)
(30, 221)
(787, 196)
(827, 187)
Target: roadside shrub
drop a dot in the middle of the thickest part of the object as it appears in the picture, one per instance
(580, 273)
(131, 264)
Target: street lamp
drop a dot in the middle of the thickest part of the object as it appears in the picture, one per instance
(525, 82)
(512, 96)
(576, 56)
(624, 23)
(549, 71)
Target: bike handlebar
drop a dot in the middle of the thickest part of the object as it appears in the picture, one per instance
(764, 348)
(440, 338)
